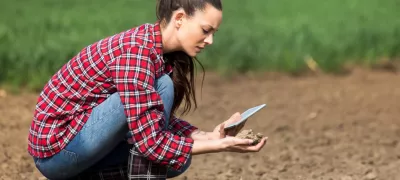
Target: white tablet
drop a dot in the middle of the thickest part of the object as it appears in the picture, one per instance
(246, 115)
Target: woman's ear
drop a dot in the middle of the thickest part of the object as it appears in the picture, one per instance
(179, 18)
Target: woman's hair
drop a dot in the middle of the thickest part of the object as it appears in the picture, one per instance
(183, 65)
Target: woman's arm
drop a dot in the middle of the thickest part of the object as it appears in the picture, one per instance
(226, 144)
(203, 135)
(206, 146)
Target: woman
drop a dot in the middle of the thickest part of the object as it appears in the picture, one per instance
(130, 85)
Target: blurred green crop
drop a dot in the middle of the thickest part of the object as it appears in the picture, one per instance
(38, 37)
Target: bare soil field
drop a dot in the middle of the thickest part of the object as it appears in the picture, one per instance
(319, 127)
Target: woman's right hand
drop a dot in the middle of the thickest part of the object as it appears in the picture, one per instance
(235, 144)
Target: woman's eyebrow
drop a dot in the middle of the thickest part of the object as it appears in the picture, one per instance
(212, 27)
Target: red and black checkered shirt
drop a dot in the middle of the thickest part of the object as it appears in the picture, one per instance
(127, 63)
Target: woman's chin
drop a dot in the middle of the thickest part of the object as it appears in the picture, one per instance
(192, 53)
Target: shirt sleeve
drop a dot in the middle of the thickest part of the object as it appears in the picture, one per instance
(181, 127)
(134, 78)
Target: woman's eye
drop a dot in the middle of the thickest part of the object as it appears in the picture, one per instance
(205, 31)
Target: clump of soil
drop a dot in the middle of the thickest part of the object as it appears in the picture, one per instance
(249, 134)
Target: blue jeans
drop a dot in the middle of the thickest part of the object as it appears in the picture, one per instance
(101, 143)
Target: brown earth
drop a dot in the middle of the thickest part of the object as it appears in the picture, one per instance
(323, 127)
(249, 134)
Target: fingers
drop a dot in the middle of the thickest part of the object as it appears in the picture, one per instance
(235, 115)
(254, 148)
(258, 146)
(222, 131)
(234, 118)
(245, 142)
(232, 141)
(235, 130)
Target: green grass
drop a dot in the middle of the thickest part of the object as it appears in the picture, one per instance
(38, 37)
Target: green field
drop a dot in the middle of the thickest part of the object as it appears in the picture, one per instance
(38, 37)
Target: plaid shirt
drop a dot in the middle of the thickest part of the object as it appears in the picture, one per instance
(127, 63)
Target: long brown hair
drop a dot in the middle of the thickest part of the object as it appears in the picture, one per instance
(183, 65)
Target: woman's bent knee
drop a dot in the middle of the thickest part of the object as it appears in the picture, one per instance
(63, 165)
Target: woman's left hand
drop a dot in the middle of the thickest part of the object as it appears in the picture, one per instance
(219, 131)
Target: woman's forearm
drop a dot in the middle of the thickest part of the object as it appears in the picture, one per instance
(206, 146)
(202, 135)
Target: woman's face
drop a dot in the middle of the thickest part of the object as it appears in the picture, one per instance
(197, 31)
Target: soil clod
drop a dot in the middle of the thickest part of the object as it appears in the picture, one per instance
(249, 134)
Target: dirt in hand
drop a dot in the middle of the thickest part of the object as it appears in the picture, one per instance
(249, 134)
